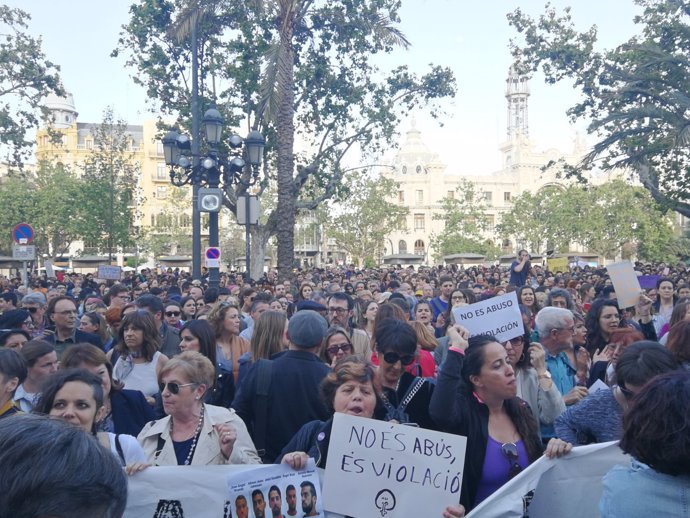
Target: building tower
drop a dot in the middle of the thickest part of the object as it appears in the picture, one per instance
(517, 93)
(62, 110)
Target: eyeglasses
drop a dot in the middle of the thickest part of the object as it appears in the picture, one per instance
(393, 358)
(570, 329)
(337, 311)
(31, 310)
(174, 388)
(458, 297)
(510, 451)
(344, 347)
(172, 313)
(518, 340)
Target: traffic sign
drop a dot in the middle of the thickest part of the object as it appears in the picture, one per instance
(24, 252)
(212, 257)
(23, 234)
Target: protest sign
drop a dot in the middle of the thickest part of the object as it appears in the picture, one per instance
(499, 316)
(558, 264)
(569, 487)
(625, 283)
(109, 273)
(648, 282)
(277, 489)
(191, 491)
(394, 470)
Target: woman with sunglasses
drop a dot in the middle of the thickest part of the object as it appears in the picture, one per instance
(335, 346)
(194, 433)
(406, 397)
(76, 396)
(534, 385)
(476, 396)
(173, 314)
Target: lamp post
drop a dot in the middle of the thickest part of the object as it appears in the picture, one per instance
(211, 172)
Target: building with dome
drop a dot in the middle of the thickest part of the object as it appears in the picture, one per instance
(424, 181)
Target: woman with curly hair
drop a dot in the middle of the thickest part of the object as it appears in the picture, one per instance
(225, 321)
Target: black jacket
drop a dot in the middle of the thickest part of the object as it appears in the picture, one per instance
(130, 411)
(456, 410)
(313, 439)
(293, 400)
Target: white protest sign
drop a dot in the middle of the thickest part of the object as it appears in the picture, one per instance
(49, 268)
(569, 487)
(625, 282)
(280, 488)
(190, 491)
(394, 470)
(499, 316)
(597, 386)
(109, 273)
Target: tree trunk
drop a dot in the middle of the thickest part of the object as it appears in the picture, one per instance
(285, 126)
(260, 235)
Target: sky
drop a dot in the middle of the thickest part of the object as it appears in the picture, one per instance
(470, 37)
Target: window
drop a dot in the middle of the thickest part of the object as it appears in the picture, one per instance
(159, 147)
(490, 222)
(419, 197)
(506, 196)
(161, 192)
(419, 221)
(450, 195)
(402, 246)
(419, 247)
(153, 220)
(161, 173)
(487, 196)
(401, 197)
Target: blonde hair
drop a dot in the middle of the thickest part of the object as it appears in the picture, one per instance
(425, 337)
(194, 365)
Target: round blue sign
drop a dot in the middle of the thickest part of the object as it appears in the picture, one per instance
(213, 253)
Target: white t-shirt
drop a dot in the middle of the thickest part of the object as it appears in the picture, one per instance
(131, 449)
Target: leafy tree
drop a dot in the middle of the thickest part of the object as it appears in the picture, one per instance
(361, 225)
(604, 219)
(111, 197)
(636, 95)
(46, 199)
(26, 77)
(289, 68)
(464, 216)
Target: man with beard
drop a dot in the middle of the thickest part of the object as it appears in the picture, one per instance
(259, 504)
(291, 499)
(275, 502)
(308, 498)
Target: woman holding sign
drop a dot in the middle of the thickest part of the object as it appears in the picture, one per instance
(476, 396)
(349, 389)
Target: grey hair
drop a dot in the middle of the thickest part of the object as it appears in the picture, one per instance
(560, 292)
(551, 318)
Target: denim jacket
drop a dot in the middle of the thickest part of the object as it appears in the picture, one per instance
(640, 491)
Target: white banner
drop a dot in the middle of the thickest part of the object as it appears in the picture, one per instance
(569, 487)
(499, 316)
(379, 469)
(190, 492)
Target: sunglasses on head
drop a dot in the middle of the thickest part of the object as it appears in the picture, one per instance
(510, 451)
(172, 313)
(173, 388)
(393, 358)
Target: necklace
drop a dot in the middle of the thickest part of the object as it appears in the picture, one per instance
(199, 426)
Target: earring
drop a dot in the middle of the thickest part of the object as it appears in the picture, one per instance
(198, 398)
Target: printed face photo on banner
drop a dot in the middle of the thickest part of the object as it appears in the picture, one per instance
(499, 316)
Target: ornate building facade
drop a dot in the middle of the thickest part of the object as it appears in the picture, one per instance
(424, 180)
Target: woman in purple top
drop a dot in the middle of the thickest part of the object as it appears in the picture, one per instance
(477, 398)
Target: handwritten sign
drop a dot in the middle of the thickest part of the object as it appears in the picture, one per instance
(558, 264)
(499, 316)
(108, 273)
(277, 490)
(384, 470)
(625, 283)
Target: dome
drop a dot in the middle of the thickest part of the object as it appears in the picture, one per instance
(414, 155)
(55, 102)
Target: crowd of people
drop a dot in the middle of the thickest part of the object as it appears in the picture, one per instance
(161, 369)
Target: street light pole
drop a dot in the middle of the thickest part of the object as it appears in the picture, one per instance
(196, 215)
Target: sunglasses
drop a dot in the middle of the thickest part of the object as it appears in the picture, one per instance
(394, 358)
(344, 347)
(510, 452)
(172, 313)
(174, 388)
(31, 310)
